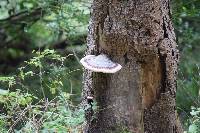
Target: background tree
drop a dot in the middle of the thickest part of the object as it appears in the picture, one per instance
(140, 97)
(32, 25)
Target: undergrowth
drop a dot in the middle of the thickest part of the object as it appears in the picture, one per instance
(21, 110)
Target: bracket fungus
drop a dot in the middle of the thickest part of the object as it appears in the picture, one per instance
(100, 63)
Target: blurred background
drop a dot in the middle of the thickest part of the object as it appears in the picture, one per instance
(41, 42)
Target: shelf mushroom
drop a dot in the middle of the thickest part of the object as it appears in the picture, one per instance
(100, 63)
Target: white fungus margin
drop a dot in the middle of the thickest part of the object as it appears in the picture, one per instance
(100, 63)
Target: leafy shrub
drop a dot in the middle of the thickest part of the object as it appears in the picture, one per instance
(25, 111)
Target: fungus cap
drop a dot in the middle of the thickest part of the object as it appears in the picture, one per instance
(100, 63)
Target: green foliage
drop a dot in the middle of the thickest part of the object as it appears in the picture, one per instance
(183, 9)
(186, 20)
(10, 7)
(24, 111)
(9, 99)
(64, 119)
(26, 25)
(188, 92)
(194, 121)
(57, 115)
(2, 125)
(11, 80)
(47, 54)
(56, 19)
(46, 73)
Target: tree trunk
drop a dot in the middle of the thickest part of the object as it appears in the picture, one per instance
(140, 98)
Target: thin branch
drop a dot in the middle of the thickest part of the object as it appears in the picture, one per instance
(24, 16)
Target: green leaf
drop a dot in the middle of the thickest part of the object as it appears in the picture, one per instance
(193, 128)
(4, 92)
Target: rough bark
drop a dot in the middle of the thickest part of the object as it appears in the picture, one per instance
(138, 34)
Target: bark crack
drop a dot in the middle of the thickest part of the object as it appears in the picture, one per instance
(165, 29)
(164, 72)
